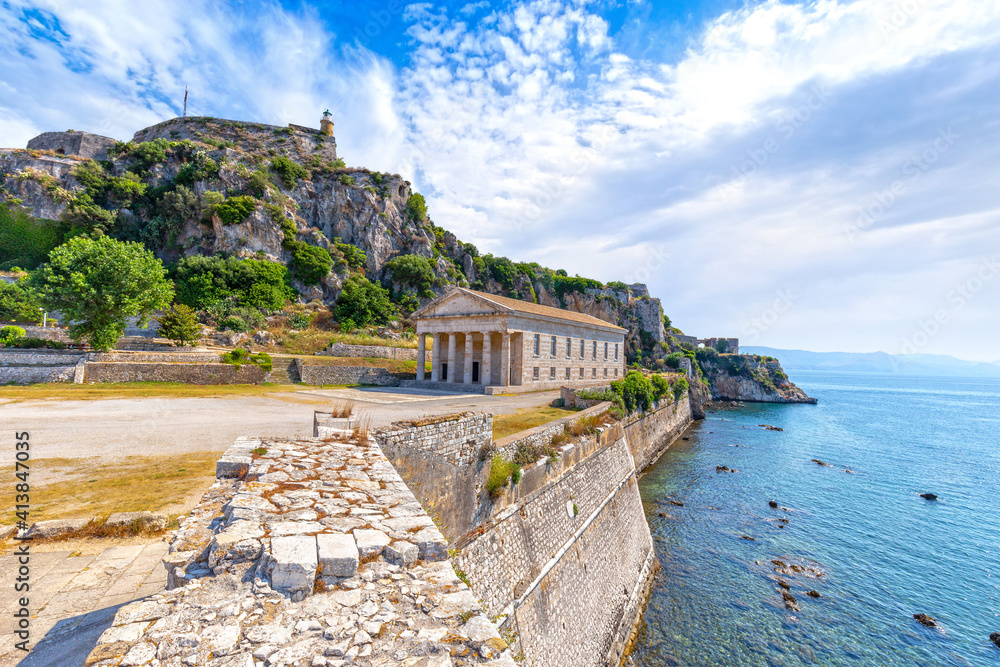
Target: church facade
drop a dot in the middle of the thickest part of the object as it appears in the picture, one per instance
(489, 341)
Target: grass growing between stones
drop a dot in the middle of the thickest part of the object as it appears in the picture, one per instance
(65, 488)
(83, 392)
(525, 418)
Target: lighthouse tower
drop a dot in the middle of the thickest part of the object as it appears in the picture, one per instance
(326, 123)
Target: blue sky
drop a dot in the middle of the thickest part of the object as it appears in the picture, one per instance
(816, 175)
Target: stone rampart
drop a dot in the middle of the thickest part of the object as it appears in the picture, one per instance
(541, 436)
(369, 351)
(457, 439)
(306, 552)
(218, 373)
(324, 374)
(651, 434)
(36, 374)
(12, 356)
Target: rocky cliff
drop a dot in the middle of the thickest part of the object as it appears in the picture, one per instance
(749, 377)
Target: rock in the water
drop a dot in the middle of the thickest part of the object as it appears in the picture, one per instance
(790, 601)
(814, 594)
(924, 619)
(771, 428)
(747, 537)
(784, 584)
(676, 503)
(995, 638)
(772, 504)
(928, 496)
(822, 463)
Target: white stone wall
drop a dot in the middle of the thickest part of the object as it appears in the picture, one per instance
(456, 438)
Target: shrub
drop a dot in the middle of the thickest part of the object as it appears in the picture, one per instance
(412, 270)
(180, 325)
(680, 387)
(299, 320)
(500, 472)
(204, 282)
(18, 302)
(236, 209)
(526, 454)
(345, 179)
(354, 256)
(673, 360)
(29, 342)
(9, 334)
(635, 390)
(364, 303)
(661, 387)
(310, 263)
(288, 171)
(25, 241)
(416, 207)
(241, 356)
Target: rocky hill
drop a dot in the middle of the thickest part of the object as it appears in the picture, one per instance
(206, 186)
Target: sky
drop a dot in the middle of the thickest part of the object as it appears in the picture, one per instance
(818, 175)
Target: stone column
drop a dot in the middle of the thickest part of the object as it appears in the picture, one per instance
(504, 360)
(486, 364)
(421, 356)
(467, 365)
(436, 358)
(452, 366)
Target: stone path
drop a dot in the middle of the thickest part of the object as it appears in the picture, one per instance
(73, 599)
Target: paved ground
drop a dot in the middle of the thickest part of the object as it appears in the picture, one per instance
(159, 426)
(73, 599)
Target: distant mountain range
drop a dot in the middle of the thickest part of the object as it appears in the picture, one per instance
(877, 362)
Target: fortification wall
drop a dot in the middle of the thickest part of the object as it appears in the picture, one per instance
(35, 374)
(651, 434)
(346, 375)
(370, 351)
(457, 439)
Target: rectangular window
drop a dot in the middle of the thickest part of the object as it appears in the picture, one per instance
(583, 349)
(616, 372)
(616, 351)
(595, 349)
(534, 373)
(553, 352)
(581, 373)
(605, 350)
(595, 373)
(605, 372)
(538, 344)
(568, 374)
(552, 373)
(569, 347)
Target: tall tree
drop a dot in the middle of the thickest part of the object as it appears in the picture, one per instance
(98, 284)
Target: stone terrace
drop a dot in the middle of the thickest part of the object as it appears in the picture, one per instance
(306, 552)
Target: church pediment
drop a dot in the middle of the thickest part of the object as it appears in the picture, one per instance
(457, 303)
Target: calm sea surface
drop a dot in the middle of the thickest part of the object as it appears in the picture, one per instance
(883, 552)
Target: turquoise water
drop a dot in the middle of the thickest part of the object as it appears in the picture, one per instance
(883, 552)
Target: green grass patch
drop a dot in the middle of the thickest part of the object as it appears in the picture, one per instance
(525, 418)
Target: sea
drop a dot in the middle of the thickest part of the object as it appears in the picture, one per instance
(853, 529)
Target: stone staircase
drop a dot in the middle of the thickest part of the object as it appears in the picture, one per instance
(285, 371)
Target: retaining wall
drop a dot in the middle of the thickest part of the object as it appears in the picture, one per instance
(457, 439)
(186, 373)
(651, 434)
(541, 436)
(346, 375)
(370, 351)
(36, 374)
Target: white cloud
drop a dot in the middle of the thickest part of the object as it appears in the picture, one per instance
(534, 134)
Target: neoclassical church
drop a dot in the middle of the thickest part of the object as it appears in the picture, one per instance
(489, 341)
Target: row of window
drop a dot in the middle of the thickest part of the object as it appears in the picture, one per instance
(569, 373)
(569, 348)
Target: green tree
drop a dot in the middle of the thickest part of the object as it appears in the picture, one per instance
(416, 207)
(636, 391)
(310, 263)
(180, 324)
(98, 284)
(364, 303)
(18, 302)
(9, 334)
(412, 270)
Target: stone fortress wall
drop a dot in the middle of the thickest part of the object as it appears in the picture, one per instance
(564, 559)
(369, 351)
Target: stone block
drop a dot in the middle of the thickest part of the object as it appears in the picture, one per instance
(370, 542)
(234, 467)
(144, 520)
(338, 554)
(432, 545)
(56, 528)
(402, 553)
(293, 563)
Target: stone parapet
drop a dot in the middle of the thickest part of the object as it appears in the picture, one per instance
(457, 439)
(369, 351)
(326, 374)
(318, 554)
